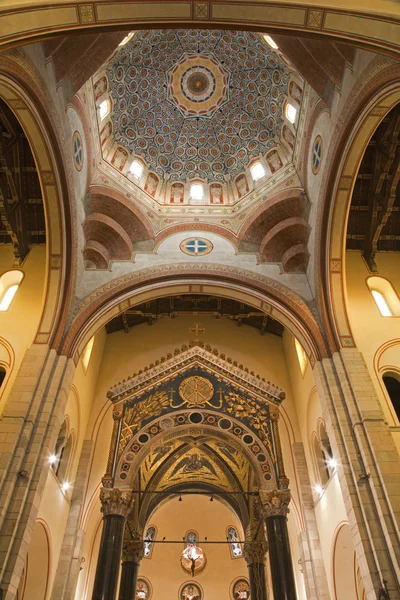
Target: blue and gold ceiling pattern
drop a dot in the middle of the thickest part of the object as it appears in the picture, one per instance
(197, 102)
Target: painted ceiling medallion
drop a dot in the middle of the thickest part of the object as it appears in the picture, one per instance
(197, 103)
(198, 85)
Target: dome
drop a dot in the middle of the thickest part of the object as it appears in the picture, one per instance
(197, 103)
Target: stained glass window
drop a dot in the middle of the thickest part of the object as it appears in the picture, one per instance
(233, 537)
(149, 538)
(196, 246)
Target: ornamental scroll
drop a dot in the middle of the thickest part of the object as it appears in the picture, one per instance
(213, 400)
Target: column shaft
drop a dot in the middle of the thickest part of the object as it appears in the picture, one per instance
(129, 578)
(107, 570)
(258, 582)
(282, 574)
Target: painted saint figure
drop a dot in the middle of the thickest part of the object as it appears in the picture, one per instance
(191, 592)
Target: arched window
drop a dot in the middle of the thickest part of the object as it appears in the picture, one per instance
(136, 169)
(191, 541)
(301, 356)
(104, 109)
(196, 191)
(257, 171)
(9, 284)
(270, 42)
(127, 38)
(149, 538)
(325, 460)
(291, 113)
(3, 373)
(392, 385)
(384, 296)
(60, 459)
(234, 545)
(87, 353)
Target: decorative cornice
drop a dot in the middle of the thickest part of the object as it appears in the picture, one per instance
(116, 502)
(276, 503)
(187, 357)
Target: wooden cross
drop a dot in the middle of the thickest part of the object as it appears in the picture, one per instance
(197, 328)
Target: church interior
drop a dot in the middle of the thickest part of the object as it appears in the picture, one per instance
(199, 294)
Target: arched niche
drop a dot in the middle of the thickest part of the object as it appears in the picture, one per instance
(344, 566)
(33, 118)
(37, 565)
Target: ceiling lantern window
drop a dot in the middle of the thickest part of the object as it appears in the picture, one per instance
(196, 191)
(291, 113)
(104, 109)
(270, 42)
(381, 303)
(127, 38)
(9, 284)
(136, 169)
(257, 171)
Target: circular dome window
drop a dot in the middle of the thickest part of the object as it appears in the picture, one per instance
(196, 246)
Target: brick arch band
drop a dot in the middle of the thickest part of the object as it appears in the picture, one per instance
(37, 20)
(30, 111)
(263, 293)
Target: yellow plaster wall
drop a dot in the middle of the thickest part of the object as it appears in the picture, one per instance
(371, 331)
(19, 324)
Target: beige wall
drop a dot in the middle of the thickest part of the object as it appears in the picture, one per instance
(19, 324)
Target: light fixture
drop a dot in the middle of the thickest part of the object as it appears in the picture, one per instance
(180, 499)
(52, 459)
(257, 171)
(332, 463)
(291, 112)
(65, 486)
(212, 499)
(270, 41)
(136, 169)
(319, 489)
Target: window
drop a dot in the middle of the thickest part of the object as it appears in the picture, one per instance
(381, 303)
(9, 284)
(191, 539)
(196, 246)
(384, 296)
(3, 374)
(392, 384)
(257, 171)
(59, 461)
(291, 113)
(233, 538)
(87, 353)
(149, 538)
(127, 38)
(270, 42)
(104, 109)
(301, 356)
(136, 169)
(196, 191)
(323, 454)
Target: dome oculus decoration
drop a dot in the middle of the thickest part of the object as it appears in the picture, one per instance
(197, 102)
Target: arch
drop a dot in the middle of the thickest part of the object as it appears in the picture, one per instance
(34, 113)
(391, 381)
(343, 555)
(212, 228)
(38, 563)
(385, 289)
(37, 20)
(259, 291)
(378, 98)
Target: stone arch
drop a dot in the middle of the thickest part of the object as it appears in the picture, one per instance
(32, 113)
(34, 21)
(262, 292)
(200, 227)
(344, 168)
(38, 563)
(343, 555)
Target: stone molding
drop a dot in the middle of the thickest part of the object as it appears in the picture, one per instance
(276, 503)
(116, 502)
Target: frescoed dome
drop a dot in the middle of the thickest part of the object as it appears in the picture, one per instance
(197, 102)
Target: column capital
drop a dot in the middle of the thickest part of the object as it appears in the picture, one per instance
(116, 502)
(133, 550)
(254, 551)
(275, 503)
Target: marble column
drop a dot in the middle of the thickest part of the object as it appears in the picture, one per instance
(132, 554)
(254, 553)
(116, 505)
(276, 507)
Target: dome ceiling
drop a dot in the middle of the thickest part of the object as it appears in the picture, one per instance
(197, 103)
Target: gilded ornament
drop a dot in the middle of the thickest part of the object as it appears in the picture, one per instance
(116, 502)
(196, 391)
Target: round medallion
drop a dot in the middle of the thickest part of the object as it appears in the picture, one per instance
(143, 589)
(316, 158)
(77, 150)
(241, 589)
(196, 391)
(193, 560)
(190, 591)
(196, 246)
(198, 85)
